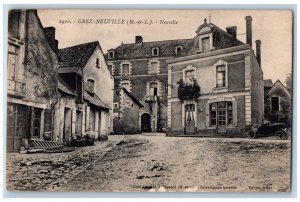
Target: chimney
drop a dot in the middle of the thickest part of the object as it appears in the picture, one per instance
(232, 31)
(258, 51)
(249, 30)
(138, 39)
(50, 34)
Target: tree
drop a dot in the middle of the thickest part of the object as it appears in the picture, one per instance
(289, 83)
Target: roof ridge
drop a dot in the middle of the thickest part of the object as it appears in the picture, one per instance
(167, 40)
(79, 45)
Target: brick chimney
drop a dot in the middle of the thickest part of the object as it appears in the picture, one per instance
(258, 51)
(138, 39)
(232, 31)
(249, 30)
(50, 34)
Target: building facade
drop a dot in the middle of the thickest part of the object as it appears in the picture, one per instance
(85, 72)
(141, 69)
(31, 61)
(278, 103)
(126, 114)
(230, 80)
(53, 94)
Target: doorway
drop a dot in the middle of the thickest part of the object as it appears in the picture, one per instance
(190, 118)
(145, 123)
(67, 126)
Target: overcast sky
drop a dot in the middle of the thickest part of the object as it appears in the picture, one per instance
(273, 28)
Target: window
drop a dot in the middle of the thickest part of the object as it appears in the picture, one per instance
(125, 70)
(275, 103)
(111, 54)
(205, 44)
(221, 76)
(116, 107)
(37, 122)
(153, 89)
(189, 75)
(155, 51)
(91, 85)
(178, 49)
(11, 66)
(97, 62)
(221, 113)
(14, 23)
(110, 68)
(153, 68)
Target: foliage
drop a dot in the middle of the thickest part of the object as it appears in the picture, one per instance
(289, 83)
(283, 115)
(188, 90)
(42, 71)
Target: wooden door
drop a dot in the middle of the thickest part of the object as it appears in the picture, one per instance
(67, 126)
(190, 118)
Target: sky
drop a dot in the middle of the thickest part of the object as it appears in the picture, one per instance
(272, 27)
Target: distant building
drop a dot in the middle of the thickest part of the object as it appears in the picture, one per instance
(278, 102)
(141, 68)
(126, 114)
(230, 80)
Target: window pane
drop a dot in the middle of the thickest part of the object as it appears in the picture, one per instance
(125, 69)
(154, 68)
(205, 45)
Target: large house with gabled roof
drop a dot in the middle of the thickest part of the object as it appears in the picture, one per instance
(230, 79)
(85, 73)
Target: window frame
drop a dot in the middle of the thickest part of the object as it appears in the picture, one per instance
(176, 49)
(111, 56)
(153, 51)
(278, 103)
(98, 62)
(91, 81)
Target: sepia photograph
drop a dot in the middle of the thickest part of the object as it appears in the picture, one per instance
(124, 100)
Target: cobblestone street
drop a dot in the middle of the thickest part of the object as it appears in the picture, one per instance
(154, 162)
(47, 171)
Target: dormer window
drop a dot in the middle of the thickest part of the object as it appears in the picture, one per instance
(97, 62)
(111, 54)
(205, 37)
(155, 51)
(91, 85)
(178, 49)
(205, 44)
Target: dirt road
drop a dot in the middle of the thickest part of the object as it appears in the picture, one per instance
(158, 163)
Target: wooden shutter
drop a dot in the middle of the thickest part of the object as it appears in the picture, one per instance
(83, 122)
(207, 114)
(234, 111)
(73, 121)
(87, 118)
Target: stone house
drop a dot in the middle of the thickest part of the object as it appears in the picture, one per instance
(126, 114)
(278, 102)
(230, 79)
(85, 72)
(141, 69)
(31, 62)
